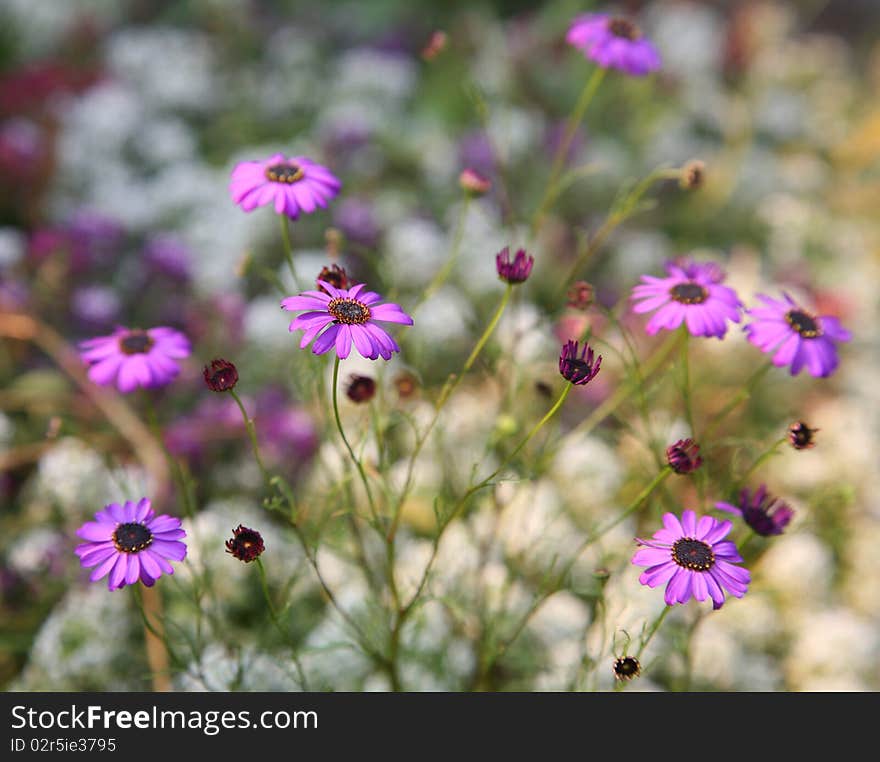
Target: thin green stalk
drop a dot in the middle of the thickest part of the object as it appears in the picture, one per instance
(763, 457)
(653, 631)
(574, 120)
(252, 433)
(442, 275)
(354, 457)
(447, 520)
(625, 391)
(686, 382)
(740, 397)
(621, 210)
(264, 584)
(288, 249)
(452, 382)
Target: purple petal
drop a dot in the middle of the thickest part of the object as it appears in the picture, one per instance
(96, 531)
(176, 551)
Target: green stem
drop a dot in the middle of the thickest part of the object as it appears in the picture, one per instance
(348, 446)
(264, 584)
(447, 520)
(288, 249)
(440, 278)
(686, 382)
(252, 434)
(624, 392)
(653, 631)
(452, 382)
(761, 458)
(574, 120)
(741, 396)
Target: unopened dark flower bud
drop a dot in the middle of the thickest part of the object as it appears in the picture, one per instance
(580, 295)
(221, 375)
(361, 388)
(435, 45)
(684, 456)
(246, 544)
(626, 668)
(334, 275)
(801, 436)
(579, 370)
(473, 183)
(516, 270)
(693, 175)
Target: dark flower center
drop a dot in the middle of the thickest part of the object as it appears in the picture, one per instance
(349, 311)
(689, 293)
(132, 537)
(624, 28)
(284, 173)
(136, 343)
(246, 544)
(803, 323)
(693, 554)
(577, 368)
(626, 668)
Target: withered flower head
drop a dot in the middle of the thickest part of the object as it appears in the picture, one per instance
(221, 375)
(246, 544)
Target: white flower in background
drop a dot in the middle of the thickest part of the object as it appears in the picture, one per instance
(514, 132)
(444, 318)
(41, 25)
(590, 470)
(690, 37)
(7, 430)
(86, 643)
(169, 67)
(165, 140)
(798, 567)
(414, 250)
(222, 668)
(832, 644)
(386, 77)
(73, 475)
(13, 244)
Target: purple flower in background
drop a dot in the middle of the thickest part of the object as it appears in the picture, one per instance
(683, 457)
(356, 218)
(516, 270)
(614, 43)
(96, 306)
(293, 185)
(130, 543)
(578, 370)
(766, 515)
(798, 337)
(349, 315)
(690, 558)
(134, 358)
(692, 293)
(168, 255)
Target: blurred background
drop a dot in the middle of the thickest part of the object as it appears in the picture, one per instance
(119, 125)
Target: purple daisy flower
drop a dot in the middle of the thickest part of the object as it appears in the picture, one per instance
(691, 559)
(802, 338)
(579, 370)
(765, 514)
(516, 270)
(134, 358)
(130, 543)
(351, 314)
(293, 185)
(692, 293)
(614, 43)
